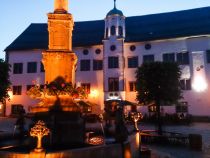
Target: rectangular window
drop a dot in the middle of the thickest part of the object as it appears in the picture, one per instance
(42, 67)
(97, 65)
(182, 107)
(132, 86)
(18, 68)
(169, 57)
(16, 109)
(17, 90)
(31, 67)
(28, 87)
(133, 62)
(183, 58)
(148, 58)
(208, 56)
(84, 65)
(113, 84)
(113, 62)
(86, 87)
(185, 84)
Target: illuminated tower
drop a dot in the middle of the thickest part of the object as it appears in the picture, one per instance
(114, 60)
(59, 60)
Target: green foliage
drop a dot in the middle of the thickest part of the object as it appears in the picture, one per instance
(158, 82)
(4, 80)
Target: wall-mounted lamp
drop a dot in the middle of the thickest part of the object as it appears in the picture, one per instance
(10, 93)
(94, 93)
(199, 84)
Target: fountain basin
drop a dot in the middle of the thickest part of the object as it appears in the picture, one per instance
(129, 149)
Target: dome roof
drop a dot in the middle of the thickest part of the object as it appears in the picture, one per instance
(115, 11)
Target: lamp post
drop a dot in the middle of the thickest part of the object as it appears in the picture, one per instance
(136, 116)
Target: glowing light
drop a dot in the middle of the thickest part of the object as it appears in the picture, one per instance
(39, 131)
(97, 140)
(199, 84)
(94, 93)
(78, 84)
(10, 94)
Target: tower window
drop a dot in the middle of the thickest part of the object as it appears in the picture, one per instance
(120, 29)
(17, 90)
(32, 67)
(18, 68)
(113, 31)
(85, 65)
(183, 58)
(113, 62)
(113, 84)
(107, 32)
(97, 65)
(169, 57)
(133, 62)
(148, 58)
(185, 84)
(208, 56)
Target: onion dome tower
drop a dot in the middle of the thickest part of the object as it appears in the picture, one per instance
(114, 36)
(114, 23)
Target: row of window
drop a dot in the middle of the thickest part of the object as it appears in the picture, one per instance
(113, 62)
(31, 67)
(181, 58)
(113, 85)
(85, 65)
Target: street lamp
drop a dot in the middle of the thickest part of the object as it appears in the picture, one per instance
(136, 116)
(39, 131)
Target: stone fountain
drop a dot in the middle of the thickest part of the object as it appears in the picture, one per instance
(57, 106)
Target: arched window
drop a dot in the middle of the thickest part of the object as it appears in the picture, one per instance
(107, 32)
(120, 29)
(113, 31)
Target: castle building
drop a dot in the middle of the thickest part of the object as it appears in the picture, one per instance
(109, 51)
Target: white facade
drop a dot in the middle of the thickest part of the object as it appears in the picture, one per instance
(199, 102)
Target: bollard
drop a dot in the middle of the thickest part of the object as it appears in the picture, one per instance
(195, 141)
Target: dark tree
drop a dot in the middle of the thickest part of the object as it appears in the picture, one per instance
(158, 82)
(4, 80)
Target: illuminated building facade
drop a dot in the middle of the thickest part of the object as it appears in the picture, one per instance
(110, 50)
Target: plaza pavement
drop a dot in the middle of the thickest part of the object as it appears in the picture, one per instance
(7, 128)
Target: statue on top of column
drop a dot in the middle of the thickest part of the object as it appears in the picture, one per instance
(61, 6)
